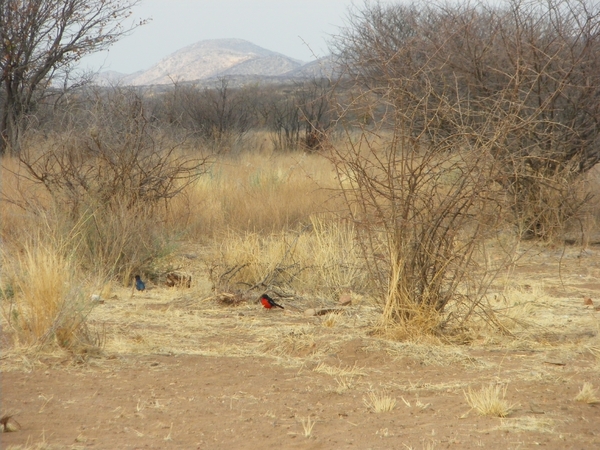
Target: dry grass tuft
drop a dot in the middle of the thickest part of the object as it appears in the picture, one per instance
(307, 426)
(417, 403)
(528, 424)
(425, 322)
(490, 401)
(331, 320)
(343, 384)
(430, 445)
(587, 394)
(379, 402)
(516, 304)
(348, 371)
(43, 302)
(295, 342)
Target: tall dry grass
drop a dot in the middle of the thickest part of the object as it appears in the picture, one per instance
(112, 240)
(321, 259)
(260, 192)
(44, 298)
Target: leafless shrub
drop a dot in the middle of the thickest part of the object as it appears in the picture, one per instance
(121, 157)
(422, 211)
(521, 79)
(114, 182)
(458, 116)
(299, 115)
(417, 177)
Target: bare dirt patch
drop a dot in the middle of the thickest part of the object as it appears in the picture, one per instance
(178, 371)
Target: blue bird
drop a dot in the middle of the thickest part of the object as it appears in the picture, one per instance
(139, 284)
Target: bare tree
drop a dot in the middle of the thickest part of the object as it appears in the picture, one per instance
(111, 176)
(316, 111)
(220, 114)
(542, 61)
(298, 115)
(464, 104)
(533, 67)
(40, 41)
(120, 157)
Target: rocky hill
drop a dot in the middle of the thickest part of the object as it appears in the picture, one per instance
(210, 59)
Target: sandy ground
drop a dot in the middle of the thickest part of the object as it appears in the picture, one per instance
(179, 371)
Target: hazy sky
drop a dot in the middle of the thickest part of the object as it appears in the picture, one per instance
(296, 28)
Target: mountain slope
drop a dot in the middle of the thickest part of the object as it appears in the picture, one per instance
(213, 58)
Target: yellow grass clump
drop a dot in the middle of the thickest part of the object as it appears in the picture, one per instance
(42, 302)
(587, 394)
(490, 401)
(379, 402)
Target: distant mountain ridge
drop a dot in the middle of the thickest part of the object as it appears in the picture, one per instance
(210, 59)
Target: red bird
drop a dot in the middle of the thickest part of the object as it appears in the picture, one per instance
(268, 302)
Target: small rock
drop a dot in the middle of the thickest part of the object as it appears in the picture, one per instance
(345, 300)
(555, 362)
(96, 298)
(588, 301)
(8, 424)
(535, 409)
(310, 312)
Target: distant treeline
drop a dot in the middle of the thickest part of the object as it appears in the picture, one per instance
(295, 113)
